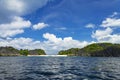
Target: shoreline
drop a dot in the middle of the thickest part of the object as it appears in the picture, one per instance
(47, 55)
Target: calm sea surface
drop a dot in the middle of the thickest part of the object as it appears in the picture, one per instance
(59, 68)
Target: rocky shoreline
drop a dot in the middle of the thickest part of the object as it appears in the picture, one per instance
(94, 50)
(10, 51)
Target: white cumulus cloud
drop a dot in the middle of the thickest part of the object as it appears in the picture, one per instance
(90, 25)
(13, 28)
(40, 26)
(106, 35)
(21, 43)
(101, 34)
(111, 21)
(11, 8)
(53, 44)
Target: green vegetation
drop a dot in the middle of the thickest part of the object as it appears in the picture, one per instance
(10, 51)
(40, 51)
(92, 48)
(70, 52)
(96, 49)
(37, 52)
(24, 52)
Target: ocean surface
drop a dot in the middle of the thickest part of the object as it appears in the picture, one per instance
(59, 68)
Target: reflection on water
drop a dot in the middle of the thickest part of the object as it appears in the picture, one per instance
(59, 68)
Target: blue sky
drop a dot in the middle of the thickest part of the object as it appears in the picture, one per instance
(54, 25)
(73, 16)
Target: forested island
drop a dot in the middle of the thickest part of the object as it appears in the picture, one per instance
(94, 50)
(10, 51)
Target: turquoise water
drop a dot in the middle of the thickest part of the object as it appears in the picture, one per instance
(59, 68)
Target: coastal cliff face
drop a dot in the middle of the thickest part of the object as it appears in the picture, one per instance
(94, 50)
(112, 51)
(37, 52)
(10, 51)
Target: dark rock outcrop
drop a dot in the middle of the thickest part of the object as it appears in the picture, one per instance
(94, 50)
(9, 51)
(37, 52)
(112, 51)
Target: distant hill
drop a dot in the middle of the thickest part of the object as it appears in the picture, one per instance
(69, 52)
(37, 52)
(95, 50)
(10, 51)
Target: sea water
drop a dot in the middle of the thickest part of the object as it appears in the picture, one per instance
(59, 68)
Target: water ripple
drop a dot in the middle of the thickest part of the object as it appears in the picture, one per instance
(64, 68)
